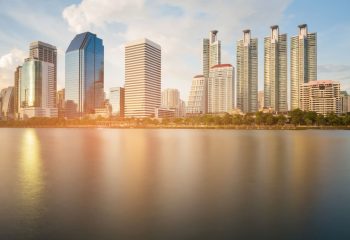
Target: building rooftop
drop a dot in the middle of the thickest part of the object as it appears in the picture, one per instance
(318, 82)
(143, 41)
(221, 66)
(78, 41)
(198, 76)
(37, 43)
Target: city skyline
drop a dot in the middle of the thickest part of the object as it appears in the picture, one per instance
(181, 58)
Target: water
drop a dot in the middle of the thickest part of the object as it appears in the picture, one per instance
(174, 184)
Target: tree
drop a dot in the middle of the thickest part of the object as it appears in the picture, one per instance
(297, 116)
(281, 119)
(227, 119)
(310, 118)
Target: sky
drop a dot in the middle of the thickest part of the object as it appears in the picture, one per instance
(178, 26)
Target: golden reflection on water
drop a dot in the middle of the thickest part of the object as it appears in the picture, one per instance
(31, 179)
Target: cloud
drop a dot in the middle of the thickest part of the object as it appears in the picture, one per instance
(81, 17)
(8, 64)
(178, 26)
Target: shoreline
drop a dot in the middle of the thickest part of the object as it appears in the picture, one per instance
(231, 127)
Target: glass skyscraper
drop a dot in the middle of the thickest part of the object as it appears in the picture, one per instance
(84, 75)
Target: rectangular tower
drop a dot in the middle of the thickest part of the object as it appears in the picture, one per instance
(116, 100)
(221, 89)
(247, 73)
(303, 64)
(46, 53)
(18, 76)
(142, 78)
(275, 71)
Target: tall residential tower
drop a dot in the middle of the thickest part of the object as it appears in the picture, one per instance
(221, 89)
(84, 75)
(247, 73)
(211, 57)
(303, 64)
(275, 71)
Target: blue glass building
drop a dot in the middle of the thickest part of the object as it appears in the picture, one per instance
(84, 75)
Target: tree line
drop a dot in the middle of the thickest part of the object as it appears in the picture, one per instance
(294, 118)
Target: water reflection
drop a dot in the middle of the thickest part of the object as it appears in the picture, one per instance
(179, 184)
(31, 177)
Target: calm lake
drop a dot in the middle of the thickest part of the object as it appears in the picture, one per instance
(174, 184)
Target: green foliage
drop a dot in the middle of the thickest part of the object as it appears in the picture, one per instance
(295, 117)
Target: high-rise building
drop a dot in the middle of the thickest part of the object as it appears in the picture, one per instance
(211, 57)
(196, 100)
(117, 101)
(247, 73)
(142, 78)
(275, 71)
(37, 89)
(18, 76)
(60, 98)
(345, 102)
(261, 100)
(322, 97)
(60, 102)
(7, 103)
(211, 52)
(221, 89)
(303, 64)
(47, 53)
(84, 75)
(171, 100)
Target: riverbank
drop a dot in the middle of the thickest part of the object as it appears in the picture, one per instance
(219, 127)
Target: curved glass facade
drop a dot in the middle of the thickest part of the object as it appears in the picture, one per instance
(84, 75)
(31, 84)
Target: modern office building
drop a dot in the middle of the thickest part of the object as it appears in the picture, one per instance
(60, 102)
(221, 89)
(303, 64)
(18, 76)
(211, 57)
(84, 76)
(247, 73)
(37, 89)
(117, 101)
(196, 99)
(60, 97)
(7, 103)
(275, 71)
(322, 97)
(345, 102)
(142, 78)
(47, 53)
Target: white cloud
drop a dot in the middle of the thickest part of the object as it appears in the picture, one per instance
(8, 64)
(178, 26)
(81, 17)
